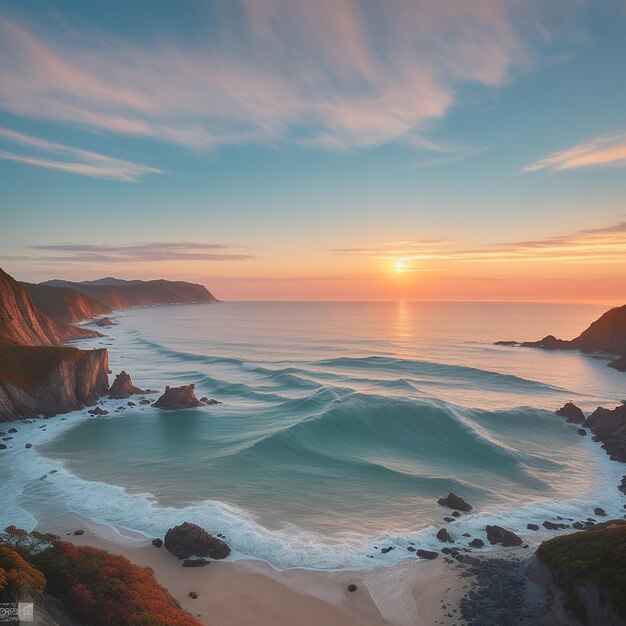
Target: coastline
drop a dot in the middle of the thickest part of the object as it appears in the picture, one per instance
(251, 591)
(397, 589)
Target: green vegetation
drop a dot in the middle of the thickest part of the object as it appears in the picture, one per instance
(597, 555)
(29, 366)
(95, 586)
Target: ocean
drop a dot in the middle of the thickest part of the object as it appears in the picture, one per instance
(340, 425)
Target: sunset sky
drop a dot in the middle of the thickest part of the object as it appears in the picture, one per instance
(326, 149)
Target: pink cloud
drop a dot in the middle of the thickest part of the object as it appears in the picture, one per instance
(605, 150)
(335, 73)
(86, 163)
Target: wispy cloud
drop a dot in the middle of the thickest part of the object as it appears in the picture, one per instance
(85, 162)
(597, 246)
(607, 150)
(140, 252)
(405, 249)
(332, 73)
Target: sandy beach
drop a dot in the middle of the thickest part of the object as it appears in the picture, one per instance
(252, 592)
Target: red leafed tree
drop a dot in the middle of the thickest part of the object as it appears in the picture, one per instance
(103, 588)
(17, 577)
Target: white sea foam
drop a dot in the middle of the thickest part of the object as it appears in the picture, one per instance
(28, 499)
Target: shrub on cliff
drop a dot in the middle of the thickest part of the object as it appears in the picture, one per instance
(598, 556)
(101, 588)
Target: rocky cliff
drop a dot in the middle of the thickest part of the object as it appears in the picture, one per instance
(23, 322)
(65, 303)
(124, 294)
(609, 427)
(38, 375)
(607, 334)
(37, 380)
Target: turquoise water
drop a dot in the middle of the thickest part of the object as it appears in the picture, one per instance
(341, 425)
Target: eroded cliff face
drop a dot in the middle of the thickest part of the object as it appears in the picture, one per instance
(23, 322)
(39, 376)
(69, 379)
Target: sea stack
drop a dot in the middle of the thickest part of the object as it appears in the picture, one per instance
(452, 501)
(178, 398)
(573, 413)
(123, 387)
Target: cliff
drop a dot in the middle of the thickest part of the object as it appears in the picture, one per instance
(589, 571)
(607, 334)
(37, 375)
(64, 303)
(609, 427)
(23, 322)
(121, 294)
(36, 380)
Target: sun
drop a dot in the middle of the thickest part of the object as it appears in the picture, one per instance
(399, 266)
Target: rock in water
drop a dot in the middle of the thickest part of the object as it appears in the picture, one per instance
(453, 501)
(427, 554)
(123, 387)
(444, 536)
(497, 534)
(552, 526)
(189, 540)
(178, 398)
(572, 413)
(619, 364)
(104, 322)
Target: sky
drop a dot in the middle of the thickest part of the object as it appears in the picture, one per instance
(326, 150)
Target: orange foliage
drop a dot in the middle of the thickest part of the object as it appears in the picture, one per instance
(17, 576)
(103, 588)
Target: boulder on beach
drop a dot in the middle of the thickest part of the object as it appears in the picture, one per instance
(123, 387)
(195, 562)
(507, 538)
(178, 398)
(189, 540)
(452, 501)
(573, 413)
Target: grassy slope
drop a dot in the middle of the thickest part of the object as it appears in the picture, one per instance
(597, 555)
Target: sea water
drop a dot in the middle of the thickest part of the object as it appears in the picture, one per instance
(340, 425)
